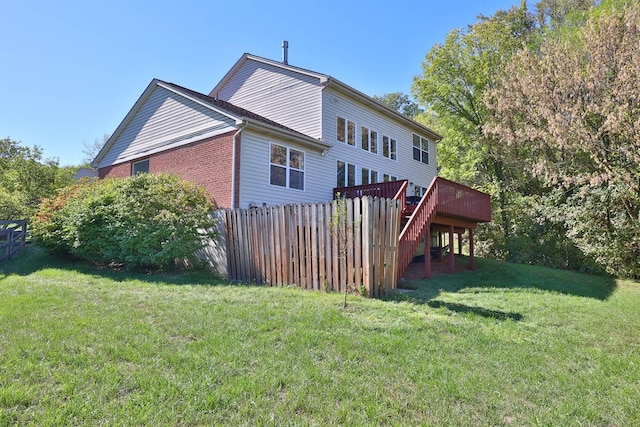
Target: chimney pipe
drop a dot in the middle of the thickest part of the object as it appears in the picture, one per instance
(285, 52)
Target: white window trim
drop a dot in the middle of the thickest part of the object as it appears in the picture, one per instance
(288, 168)
(369, 131)
(356, 177)
(356, 140)
(390, 151)
(422, 151)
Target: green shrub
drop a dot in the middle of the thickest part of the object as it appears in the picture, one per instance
(141, 222)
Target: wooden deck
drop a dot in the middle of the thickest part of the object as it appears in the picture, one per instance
(446, 208)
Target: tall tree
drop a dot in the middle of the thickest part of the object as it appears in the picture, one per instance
(456, 76)
(400, 102)
(575, 102)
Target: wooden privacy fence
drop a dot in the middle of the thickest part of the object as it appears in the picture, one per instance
(13, 236)
(350, 243)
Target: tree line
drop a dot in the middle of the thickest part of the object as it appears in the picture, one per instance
(540, 107)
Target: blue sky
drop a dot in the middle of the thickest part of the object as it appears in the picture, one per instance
(71, 70)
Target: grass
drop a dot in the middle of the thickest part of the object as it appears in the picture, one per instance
(505, 345)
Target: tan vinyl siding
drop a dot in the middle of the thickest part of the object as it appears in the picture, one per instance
(164, 120)
(291, 99)
(403, 168)
(254, 174)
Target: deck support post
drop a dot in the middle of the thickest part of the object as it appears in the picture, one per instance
(472, 262)
(459, 243)
(452, 267)
(427, 254)
(439, 245)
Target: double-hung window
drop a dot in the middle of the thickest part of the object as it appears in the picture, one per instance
(287, 167)
(345, 174)
(420, 149)
(368, 176)
(369, 139)
(346, 131)
(389, 147)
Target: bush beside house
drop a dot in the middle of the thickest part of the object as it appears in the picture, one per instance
(140, 222)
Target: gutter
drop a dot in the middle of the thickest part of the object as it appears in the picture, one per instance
(233, 163)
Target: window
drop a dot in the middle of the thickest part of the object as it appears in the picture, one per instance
(140, 167)
(346, 131)
(369, 140)
(340, 129)
(420, 149)
(388, 147)
(345, 174)
(365, 138)
(351, 133)
(374, 142)
(365, 176)
(368, 176)
(287, 167)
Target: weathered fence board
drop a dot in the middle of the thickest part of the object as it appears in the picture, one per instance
(13, 235)
(347, 243)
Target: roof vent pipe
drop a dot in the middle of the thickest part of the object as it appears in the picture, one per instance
(285, 52)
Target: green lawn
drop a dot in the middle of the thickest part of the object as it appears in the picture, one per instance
(505, 345)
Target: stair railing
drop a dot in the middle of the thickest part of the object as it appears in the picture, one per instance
(413, 231)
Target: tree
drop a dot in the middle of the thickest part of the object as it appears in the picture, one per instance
(456, 75)
(575, 102)
(91, 150)
(399, 102)
(25, 178)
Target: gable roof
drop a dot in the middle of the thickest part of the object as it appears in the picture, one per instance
(328, 81)
(242, 117)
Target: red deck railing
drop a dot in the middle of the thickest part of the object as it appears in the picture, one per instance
(414, 230)
(460, 201)
(386, 190)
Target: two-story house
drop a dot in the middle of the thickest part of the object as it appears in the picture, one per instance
(272, 133)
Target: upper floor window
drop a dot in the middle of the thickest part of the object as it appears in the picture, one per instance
(420, 149)
(369, 140)
(346, 131)
(388, 147)
(140, 167)
(287, 167)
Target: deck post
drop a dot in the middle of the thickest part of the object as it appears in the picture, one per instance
(452, 267)
(427, 254)
(439, 245)
(459, 243)
(472, 262)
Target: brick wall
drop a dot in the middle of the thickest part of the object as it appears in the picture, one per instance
(206, 162)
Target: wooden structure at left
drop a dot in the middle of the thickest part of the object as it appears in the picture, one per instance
(350, 243)
(13, 235)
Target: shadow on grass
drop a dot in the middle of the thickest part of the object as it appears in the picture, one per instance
(492, 275)
(480, 311)
(33, 258)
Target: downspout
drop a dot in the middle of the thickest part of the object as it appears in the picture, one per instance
(233, 163)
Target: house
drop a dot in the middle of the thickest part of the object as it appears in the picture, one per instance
(271, 133)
